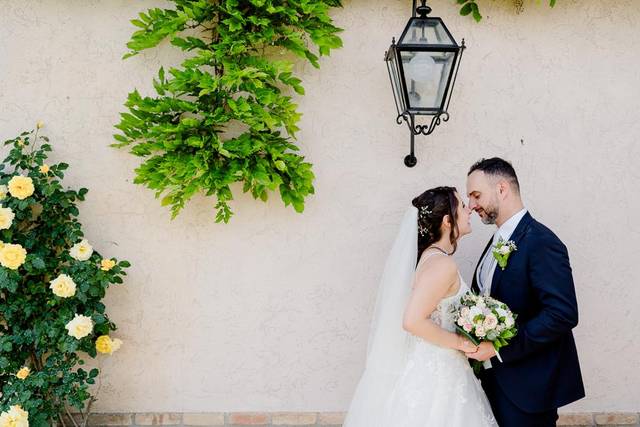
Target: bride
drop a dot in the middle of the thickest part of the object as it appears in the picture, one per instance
(416, 373)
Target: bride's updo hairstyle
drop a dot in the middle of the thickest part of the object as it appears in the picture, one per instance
(432, 206)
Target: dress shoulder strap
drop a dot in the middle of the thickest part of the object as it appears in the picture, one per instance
(427, 256)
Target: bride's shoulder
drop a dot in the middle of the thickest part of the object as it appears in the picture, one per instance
(436, 264)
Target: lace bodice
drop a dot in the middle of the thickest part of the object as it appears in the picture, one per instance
(444, 313)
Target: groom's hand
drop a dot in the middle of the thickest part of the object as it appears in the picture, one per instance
(485, 352)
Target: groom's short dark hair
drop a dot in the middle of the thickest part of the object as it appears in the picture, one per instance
(496, 166)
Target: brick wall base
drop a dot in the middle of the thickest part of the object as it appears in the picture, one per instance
(295, 419)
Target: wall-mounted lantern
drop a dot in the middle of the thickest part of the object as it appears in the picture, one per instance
(423, 66)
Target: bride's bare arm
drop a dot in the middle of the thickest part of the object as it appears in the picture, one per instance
(434, 281)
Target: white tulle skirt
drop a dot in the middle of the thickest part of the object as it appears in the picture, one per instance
(436, 388)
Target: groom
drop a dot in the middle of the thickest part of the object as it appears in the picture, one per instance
(539, 371)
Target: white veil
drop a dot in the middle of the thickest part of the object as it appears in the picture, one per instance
(387, 347)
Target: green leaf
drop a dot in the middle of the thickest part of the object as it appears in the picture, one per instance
(138, 23)
(466, 9)
(476, 12)
(38, 263)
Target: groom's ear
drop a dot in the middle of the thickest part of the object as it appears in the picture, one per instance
(503, 187)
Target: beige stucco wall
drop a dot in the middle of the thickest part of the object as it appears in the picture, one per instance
(271, 311)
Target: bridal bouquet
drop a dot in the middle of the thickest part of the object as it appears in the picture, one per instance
(482, 318)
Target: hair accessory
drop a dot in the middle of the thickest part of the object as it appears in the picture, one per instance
(423, 214)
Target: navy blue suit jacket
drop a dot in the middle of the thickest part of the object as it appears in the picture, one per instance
(540, 369)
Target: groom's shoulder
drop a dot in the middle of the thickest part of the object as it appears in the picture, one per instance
(540, 232)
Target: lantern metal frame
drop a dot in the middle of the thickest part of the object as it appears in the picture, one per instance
(399, 88)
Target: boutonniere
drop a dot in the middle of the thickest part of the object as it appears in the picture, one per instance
(503, 250)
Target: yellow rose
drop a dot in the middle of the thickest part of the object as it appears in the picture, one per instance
(107, 264)
(44, 169)
(6, 218)
(63, 286)
(21, 187)
(81, 251)
(105, 345)
(3, 191)
(12, 256)
(14, 417)
(40, 124)
(79, 327)
(23, 373)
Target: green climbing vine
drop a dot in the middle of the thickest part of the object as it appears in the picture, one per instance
(226, 114)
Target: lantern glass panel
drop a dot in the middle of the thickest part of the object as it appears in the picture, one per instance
(427, 32)
(396, 82)
(426, 76)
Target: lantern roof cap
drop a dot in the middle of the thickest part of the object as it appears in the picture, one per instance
(427, 32)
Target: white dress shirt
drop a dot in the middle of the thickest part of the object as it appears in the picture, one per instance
(488, 265)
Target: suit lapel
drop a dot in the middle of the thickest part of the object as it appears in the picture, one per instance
(474, 282)
(517, 235)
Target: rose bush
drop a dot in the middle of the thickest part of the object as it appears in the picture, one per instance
(52, 283)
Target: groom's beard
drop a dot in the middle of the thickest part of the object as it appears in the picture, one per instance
(490, 215)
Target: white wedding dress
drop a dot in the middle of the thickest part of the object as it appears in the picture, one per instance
(437, 386)
(409, 382)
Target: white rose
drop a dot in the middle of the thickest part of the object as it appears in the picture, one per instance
(504, 250)
(480, 331)
(467, 327)
(81, 251)
(63, 286)
(508, 322)
(80, 326)
(6, 218)
(490, 322)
